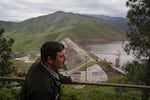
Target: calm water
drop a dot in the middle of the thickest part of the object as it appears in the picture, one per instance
(108, 52)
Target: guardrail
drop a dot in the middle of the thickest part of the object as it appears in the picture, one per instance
(18, 79)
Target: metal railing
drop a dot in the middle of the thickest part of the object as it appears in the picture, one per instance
(18, 79)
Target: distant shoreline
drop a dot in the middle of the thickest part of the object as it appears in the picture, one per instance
(99, 40)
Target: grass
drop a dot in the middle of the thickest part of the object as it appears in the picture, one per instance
(97, 93)
(22, 64)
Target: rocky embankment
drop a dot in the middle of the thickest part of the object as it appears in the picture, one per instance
(76, 56)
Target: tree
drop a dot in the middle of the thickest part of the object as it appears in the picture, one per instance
(6, 67)
(139, 42)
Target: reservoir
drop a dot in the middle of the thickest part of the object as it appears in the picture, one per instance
(110, 51)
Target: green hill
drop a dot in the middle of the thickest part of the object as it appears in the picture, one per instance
(118, 22)
(29, 34)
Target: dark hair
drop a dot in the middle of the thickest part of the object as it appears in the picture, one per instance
(50, 48)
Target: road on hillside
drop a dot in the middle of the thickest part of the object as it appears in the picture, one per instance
(71, 71)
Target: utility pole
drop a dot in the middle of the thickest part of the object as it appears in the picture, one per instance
(86, 69)
(85, 75)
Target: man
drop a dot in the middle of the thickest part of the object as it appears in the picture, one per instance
(43, 80)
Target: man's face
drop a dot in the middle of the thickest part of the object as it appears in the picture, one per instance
(60, 60)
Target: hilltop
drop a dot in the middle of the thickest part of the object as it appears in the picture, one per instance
(31, 33)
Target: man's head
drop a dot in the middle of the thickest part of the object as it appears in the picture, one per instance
(53, 54)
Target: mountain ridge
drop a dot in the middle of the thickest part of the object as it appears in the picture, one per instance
(118, 22)
(34, 31)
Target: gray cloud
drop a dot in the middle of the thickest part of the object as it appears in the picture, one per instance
(18, 10)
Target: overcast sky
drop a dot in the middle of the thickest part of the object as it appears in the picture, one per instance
(19, 10)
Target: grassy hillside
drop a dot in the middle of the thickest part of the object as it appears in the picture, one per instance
(118, 22)
(32, 32)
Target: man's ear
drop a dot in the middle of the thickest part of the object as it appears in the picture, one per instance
(50, 60)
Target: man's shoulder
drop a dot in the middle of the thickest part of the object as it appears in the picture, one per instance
(34, 66)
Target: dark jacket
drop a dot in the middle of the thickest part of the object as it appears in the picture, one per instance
(41, 85)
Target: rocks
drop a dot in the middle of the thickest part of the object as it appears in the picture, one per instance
(75, 55)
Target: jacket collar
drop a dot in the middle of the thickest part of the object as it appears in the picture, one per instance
(46, 71)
